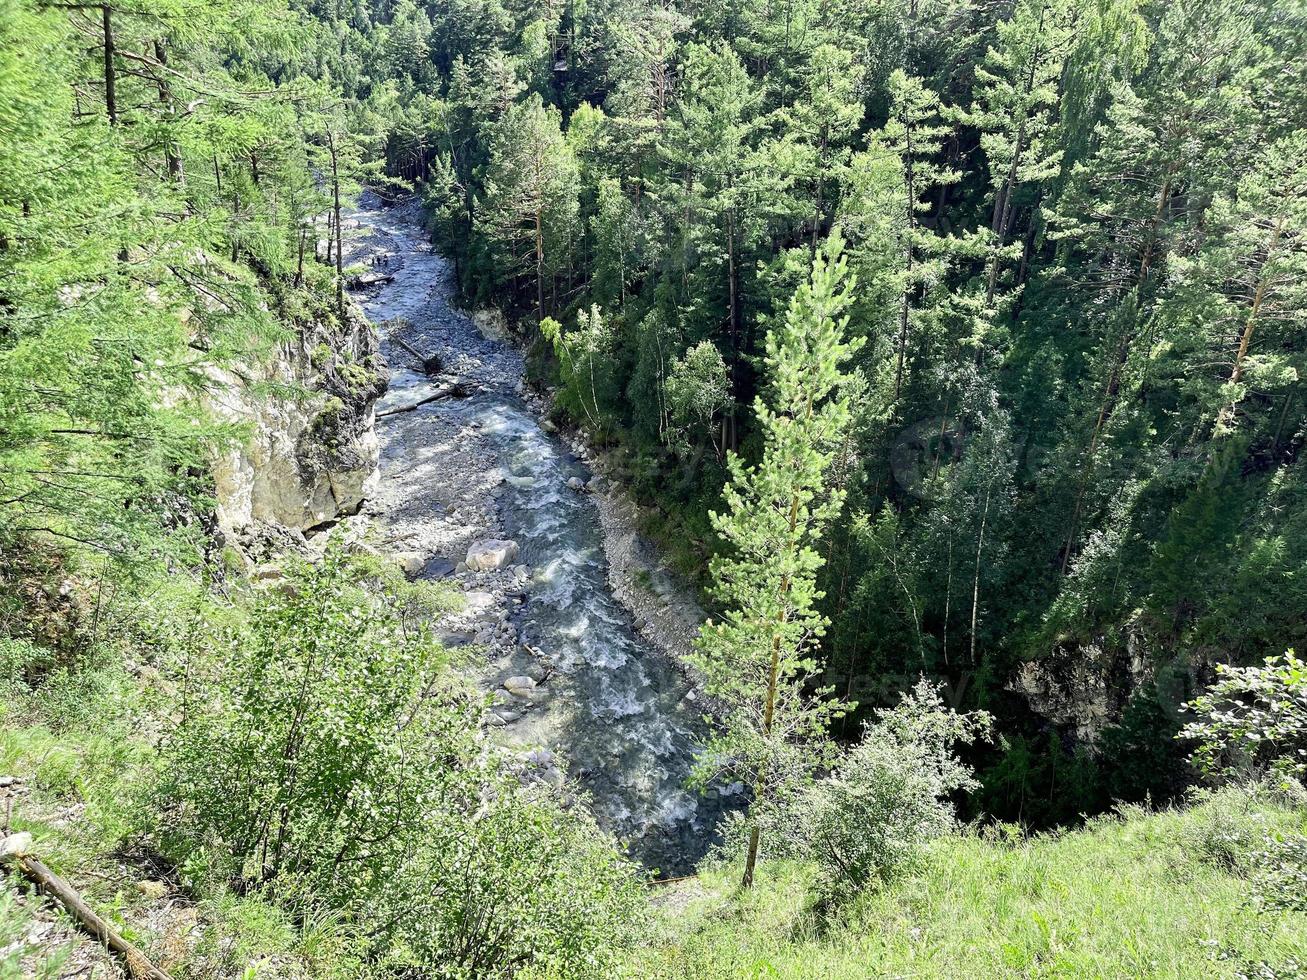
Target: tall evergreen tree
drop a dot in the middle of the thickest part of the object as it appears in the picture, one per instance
(757, 659)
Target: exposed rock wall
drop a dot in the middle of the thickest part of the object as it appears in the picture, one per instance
(311, 451)
(1085, 686)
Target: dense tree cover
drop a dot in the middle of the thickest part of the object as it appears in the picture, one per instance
(1077, 230)
(160, 171)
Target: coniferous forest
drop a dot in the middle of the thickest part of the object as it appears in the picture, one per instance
(592, 488)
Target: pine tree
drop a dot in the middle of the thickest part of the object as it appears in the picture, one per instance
(756, 659)
(530, 203)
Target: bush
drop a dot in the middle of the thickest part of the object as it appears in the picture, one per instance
(328, 758)
(889, 794)
(1280, 874)
(313, 735)
(1253, 720)
(558, 894)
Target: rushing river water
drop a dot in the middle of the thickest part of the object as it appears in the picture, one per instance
(622, 717)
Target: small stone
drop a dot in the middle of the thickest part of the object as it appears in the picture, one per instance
(519, 682)
(7, 781)
(14, 846)
(153, 890)
(548, 426)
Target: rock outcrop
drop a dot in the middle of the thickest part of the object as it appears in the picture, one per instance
(310, 453)
(1084, 686)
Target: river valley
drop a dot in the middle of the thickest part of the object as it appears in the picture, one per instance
(573, 681)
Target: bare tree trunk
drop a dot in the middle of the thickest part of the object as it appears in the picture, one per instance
(110, 74)
(540, 266)
(975, 583)
(172, 153)
(138, 967)
(335, 212)
(908, 263)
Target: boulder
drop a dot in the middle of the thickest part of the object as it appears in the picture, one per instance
(411, 562)
(490, 554)
(576, 483)
(15, 846)
(519, 683)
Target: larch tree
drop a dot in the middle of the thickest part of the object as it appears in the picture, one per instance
(1017, 93)
(757, 658)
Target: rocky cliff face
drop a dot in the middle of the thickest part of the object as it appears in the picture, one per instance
(311, 452)
(1083, 687)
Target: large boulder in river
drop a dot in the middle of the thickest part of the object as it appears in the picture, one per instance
(485, 556)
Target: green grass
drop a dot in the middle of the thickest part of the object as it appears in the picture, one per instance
(1139, 895)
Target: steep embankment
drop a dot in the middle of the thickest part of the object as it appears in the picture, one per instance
(311, 453)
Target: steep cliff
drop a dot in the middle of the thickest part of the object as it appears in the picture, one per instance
(310, 453)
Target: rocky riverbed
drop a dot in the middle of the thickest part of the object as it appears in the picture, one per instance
(477, 489)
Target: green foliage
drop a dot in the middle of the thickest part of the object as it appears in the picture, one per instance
(326, 756)
(757, 659)
(16, 922)
(890, 795)
(1127, 895)
(312, 735)
(696, 391)
(1253, 719)
(520, 882)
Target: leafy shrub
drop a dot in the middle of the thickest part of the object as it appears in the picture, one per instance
(889, 794)
(311, 739)
(1280, 874)
(1253, 720)
(560, 897)
(327, 757)
(1226, 827)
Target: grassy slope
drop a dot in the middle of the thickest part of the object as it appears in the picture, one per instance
(82, 750)
(1142, 895)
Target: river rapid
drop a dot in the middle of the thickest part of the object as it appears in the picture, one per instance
(606, 707)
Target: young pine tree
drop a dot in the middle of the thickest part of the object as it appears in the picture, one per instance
(756, 660)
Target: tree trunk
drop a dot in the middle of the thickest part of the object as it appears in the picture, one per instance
(540, 266)
(171, 151)
(335, 213)
(975, 582)
(110, 74)
(1259, 296)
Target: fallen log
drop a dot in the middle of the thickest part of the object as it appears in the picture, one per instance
(430, 365)
(16, 856)
(369, 279)
(456, 390)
